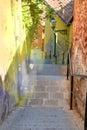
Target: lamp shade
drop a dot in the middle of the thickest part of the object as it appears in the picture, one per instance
(53, 23)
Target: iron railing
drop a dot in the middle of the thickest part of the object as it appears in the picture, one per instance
(72, 93)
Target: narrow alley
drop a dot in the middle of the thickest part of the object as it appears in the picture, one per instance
(48, 106)
(43, 64)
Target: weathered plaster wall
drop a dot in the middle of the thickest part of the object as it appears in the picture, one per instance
(11, 46)
(10, 32)
(48, 34)
(7, 39)
(10, 82)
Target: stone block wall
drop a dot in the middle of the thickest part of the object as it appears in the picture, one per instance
(79, 54)
(79, 96)
(79, 48)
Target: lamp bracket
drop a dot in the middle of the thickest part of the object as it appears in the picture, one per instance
(64, 32)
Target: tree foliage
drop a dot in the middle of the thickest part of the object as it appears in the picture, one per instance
(31, 10)
(49, 12)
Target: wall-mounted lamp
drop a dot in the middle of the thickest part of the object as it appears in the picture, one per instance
(64, 32)
(53, 23)
(53, 26)
(43, 29)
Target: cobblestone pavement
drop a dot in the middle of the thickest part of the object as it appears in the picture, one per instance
(28, 118)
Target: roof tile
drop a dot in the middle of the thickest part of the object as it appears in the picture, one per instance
(63, 8)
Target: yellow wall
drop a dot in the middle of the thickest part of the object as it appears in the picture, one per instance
(48, 34)
(65, 39)
(60, 25)
(10, 28)
(71, 34)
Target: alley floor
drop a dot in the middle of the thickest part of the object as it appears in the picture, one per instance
(28, 118)
(48, 108)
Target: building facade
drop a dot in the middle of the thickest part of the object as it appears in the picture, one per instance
(63, 30)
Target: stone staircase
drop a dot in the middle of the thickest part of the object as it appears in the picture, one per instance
(51, 87)
(51, 69)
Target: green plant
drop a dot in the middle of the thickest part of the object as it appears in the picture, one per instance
(49, 12)
(31, 11)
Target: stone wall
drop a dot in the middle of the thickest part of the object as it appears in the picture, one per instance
(79, 96)
(79, 54)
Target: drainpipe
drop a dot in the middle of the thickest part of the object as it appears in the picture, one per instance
(55, 57)
(63, 59)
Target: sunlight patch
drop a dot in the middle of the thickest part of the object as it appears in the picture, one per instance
(31, 66)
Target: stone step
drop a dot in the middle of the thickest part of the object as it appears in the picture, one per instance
(51, 84)
(50, 91)
(42, 102)
(47, 103)
(37, 118)
(34, 102)
(51, 69)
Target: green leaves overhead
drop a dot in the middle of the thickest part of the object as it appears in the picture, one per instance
(49, 12)
(31, 10)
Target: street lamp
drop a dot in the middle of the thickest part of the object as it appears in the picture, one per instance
(53, 24)
(64, 32)
(43, 28)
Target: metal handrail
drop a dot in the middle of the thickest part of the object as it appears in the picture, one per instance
(76, 75)
(73, 93)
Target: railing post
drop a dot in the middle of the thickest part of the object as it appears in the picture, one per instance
(54, 44)
(63, 59)
(71, 93)
(85, 121)
(55, 59)
(68, 66)
(50, 55)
